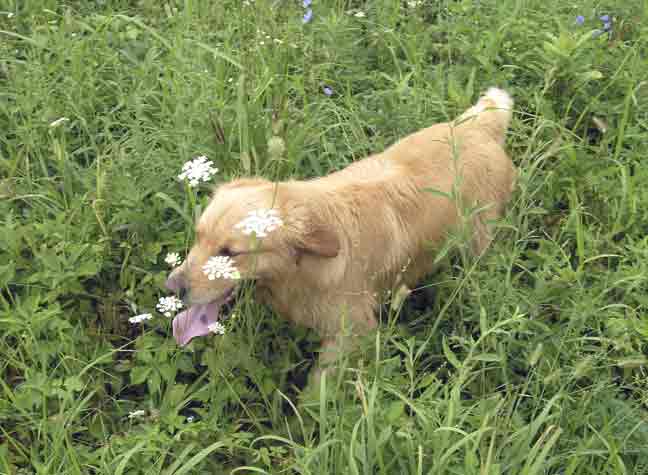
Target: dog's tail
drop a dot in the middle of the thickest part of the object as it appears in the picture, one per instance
(492, 112)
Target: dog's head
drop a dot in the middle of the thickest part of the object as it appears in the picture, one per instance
(233, 245)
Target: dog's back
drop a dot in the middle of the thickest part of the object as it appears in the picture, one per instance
(401, 201)
(389, 208)
(464, 164)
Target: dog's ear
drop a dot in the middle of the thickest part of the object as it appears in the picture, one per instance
(320, 242)
(312, 234)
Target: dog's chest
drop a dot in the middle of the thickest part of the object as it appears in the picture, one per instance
(325, 309)
(289, 302)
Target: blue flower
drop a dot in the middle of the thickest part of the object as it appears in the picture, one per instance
(607, 26)
(328, 91)
(307, 3)
(308, 16)
(580, 19)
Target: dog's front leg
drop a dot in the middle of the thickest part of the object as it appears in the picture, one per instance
(334, 347)
(331, 349)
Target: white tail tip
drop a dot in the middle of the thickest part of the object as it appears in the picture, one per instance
(500, 98)
(492, 112)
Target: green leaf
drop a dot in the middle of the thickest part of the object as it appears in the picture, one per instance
(171, 203)
(395, 411)
(74, 383)
(7, 273)
(154, 382)
(88, 268)
(127, 456)
(139, 374)
(449, 354)
(488, 357)
(196, 459)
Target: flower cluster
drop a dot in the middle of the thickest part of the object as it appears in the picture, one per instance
(266, 39)
(260, 222)
(308, 16)
(173, 259)
(197, 170)
(605, 28)
(216, 328)
(218, 267)
(140, 318)
(169, 305)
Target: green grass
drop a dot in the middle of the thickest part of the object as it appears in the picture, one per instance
(530, 361)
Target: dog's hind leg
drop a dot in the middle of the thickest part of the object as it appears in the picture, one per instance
(482, 232)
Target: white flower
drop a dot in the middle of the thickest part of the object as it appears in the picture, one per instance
(217, 328)
(190, 419)
(168, 305)
(173, 259)
(414, 3)
(136, 414)
(10, 15)
(221, 267)
(359, 15)
(140, 318)
(260, 222)
(58, 122)
(197, 170)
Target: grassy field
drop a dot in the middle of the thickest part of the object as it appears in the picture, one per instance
(531, 360)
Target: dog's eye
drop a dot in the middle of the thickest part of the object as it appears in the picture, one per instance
(226, 251)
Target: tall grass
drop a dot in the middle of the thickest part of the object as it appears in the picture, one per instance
(530, 360)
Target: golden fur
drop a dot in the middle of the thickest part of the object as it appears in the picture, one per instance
(348, 236)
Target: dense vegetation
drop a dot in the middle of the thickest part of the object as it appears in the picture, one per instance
(530, 360)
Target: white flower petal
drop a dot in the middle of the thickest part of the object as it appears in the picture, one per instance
(169, 305)
(218, 267)
(197, 170)
(140, 318)
(260, 222)
(135, 414)
(173, 259)
(216, 328)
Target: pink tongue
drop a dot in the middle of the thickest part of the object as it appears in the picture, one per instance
(194, 322)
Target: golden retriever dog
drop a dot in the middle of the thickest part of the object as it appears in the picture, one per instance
(323, 251)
